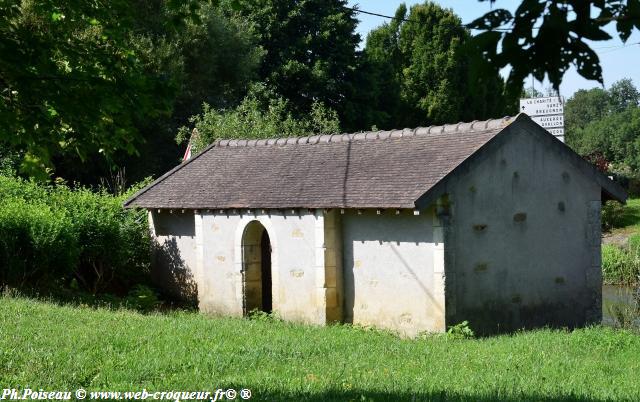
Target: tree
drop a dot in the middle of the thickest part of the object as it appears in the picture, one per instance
(546, 37)
(70, 81)
(616, 136)
(211, 58)
(262, 114)
(420, 72)
(124, 114)
(623, 94)
(310, 48)
(584, 107)
(531, 92)
(606, 122)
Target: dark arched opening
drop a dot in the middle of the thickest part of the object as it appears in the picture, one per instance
(256, 269)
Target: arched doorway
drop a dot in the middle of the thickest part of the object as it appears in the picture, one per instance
(256, 269)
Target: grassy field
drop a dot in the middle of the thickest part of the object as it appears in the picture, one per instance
(630, 220)
(46, 346)
(621, 248)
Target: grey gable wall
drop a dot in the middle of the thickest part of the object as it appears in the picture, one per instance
(523, 241)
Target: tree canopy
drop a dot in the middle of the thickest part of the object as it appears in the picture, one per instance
(418, 71)
(606, 122)
(87, 87)
(98, 84)
(262, 114)
(309, 48)
(69, 79)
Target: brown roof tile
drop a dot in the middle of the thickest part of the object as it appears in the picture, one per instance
(383, 169)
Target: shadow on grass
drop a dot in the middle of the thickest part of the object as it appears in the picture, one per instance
(630, 217)
(436, 396)
(73, 298)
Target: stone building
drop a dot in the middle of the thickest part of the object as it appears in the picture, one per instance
(495, 222)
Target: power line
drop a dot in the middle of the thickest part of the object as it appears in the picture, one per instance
(616, 48)
(408, 20)
(613, 48)
(464, 25)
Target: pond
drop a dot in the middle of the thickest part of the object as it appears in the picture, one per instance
(617, 298)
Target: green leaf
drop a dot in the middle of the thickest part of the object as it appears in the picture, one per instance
(491, 20)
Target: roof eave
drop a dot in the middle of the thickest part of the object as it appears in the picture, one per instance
(612, 189)
(130, 202)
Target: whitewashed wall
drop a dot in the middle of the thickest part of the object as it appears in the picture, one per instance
(297, 254)
(384, 270)
(393, 270)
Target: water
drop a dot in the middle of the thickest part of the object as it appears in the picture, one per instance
(617, 296)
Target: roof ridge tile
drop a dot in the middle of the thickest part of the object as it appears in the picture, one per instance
(447, 129)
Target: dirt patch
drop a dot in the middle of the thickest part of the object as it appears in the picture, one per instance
(620, 239)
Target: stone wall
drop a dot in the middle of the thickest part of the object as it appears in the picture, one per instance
(523, 240)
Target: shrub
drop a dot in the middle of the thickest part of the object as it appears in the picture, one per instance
(52, 236)
(460, 331)
(37, 245)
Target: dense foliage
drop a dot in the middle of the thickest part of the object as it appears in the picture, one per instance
(56, 58)
(54, 238)
(105, 84)
(309, 49)
(89, 89)
(607, 122)
(418, 71)
(546, 37)
(260, 115)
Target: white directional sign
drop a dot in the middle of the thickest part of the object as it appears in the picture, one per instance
(558, 132)
(547, 112)
(542, 106)
(549, 121)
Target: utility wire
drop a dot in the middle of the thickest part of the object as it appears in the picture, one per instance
(616, 48)
(408, 20)
(464, 25)
(613, 48)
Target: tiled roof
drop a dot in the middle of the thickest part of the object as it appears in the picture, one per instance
(380, 169)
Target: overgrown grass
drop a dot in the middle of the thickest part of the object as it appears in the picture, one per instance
(43, 345)
(621, 265)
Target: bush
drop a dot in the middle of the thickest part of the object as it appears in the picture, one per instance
(37, 245)
(52, 236)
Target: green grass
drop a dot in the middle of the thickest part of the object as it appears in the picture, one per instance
(629, 222)
(621, 263)
(43, 345)
(621, 266)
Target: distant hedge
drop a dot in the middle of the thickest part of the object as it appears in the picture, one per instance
(55, 237)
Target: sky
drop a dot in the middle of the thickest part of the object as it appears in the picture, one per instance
(617, 59)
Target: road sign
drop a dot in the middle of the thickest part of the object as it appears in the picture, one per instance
(547, 112)
(542, 106)
(549, 121)
(558, 132)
